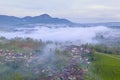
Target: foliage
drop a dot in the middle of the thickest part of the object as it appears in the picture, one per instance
(106, 66)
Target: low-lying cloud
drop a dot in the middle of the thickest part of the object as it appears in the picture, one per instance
(83, 34)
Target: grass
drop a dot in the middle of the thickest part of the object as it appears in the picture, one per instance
(106, 66)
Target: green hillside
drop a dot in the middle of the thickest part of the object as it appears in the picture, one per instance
(106, 66)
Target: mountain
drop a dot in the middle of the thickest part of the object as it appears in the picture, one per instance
(108, 24)
(47, 19)
(8, 20)
(44, 18)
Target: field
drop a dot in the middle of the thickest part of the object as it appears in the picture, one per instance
(106, 66)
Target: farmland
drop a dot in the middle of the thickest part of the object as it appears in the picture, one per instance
(106, 66)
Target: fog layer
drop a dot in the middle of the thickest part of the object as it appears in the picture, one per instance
(82, 34)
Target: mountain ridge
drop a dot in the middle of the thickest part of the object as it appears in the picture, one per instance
(6, 20)
(44, 18)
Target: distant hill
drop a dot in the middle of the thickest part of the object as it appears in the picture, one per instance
(44, 18)
(47, 19)
(108, 24)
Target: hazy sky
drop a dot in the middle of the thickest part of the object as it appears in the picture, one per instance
(74, 10)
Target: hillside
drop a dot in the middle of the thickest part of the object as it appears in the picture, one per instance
(106, 66)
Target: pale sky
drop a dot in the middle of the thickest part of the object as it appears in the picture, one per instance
(75, 10)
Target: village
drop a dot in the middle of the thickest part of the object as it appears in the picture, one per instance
(11, 55)
(78, 63)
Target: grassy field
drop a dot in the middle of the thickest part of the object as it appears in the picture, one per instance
(106, 66)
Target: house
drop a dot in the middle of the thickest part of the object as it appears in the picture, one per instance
(87, 50)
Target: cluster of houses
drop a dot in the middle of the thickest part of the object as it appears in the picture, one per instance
(78, 56)
(11, 55)
(82, 53)
(74, 71)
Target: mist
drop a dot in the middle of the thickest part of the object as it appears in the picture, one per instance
(62, 34)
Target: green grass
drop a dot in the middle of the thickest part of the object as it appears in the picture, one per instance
(106, 66)
(117, 56)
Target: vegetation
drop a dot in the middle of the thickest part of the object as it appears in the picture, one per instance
(106, 66)
(20, 44)
(107, 49)
(27, 66)
(105, 60)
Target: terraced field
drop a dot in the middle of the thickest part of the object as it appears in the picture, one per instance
(106, 66)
